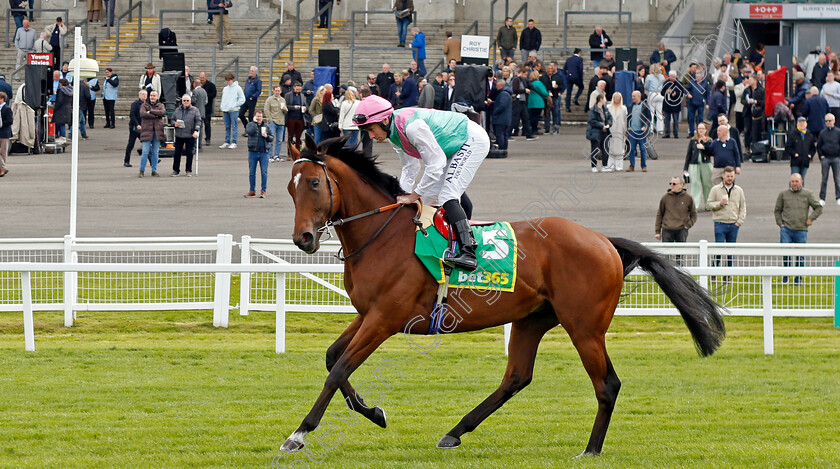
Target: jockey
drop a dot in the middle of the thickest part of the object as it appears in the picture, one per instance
(451, 146)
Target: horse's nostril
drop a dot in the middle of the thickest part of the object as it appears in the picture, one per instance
(306, 238)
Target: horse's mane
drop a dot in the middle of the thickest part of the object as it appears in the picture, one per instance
(366, 166)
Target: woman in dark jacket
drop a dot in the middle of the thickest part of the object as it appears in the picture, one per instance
(641, 74)
(698, 166)
(63, 113)
(329, 123)
(597, 129)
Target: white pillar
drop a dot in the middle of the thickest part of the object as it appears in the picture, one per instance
(280, 315)
(221, 311)
(245, 277)
(767, 301)
(28, 323)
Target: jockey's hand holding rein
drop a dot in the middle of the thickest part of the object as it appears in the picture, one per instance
(408, 199)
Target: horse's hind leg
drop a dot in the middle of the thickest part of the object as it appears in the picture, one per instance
(374, 414)
(593, 353)
(525, 337)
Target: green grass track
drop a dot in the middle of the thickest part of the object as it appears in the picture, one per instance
(166, 389)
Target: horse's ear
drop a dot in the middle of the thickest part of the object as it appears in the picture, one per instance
(336, 144)
(294, 153)
(310, 144)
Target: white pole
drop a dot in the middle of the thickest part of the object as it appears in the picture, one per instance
(193, 13)
(282, 10)
(28, 324)
(767, 300)
(507, 337)
(703, 261)
(366, 9)
(69, 297)
(245, 277)
(280, 315)
(74, 152)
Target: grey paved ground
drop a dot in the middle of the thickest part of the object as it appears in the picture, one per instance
(114, 202)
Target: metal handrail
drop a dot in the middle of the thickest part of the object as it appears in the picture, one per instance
(580, 12)
(212, 49)
(326, 7)
(523, 8)
(9, 17)
(439, 64)
(234, 63)
(492, 36)
(129, 13)
(670, 20)
(87, 39)
(291, 45)
(297, 18)
(353, 46)
(275, 25)
(14, 73)
(193, 11)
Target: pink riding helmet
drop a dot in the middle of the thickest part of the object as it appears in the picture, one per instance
(371, 110)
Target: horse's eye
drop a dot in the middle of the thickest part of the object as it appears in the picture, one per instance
(314, 183)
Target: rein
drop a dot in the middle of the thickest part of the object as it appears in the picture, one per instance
(396, 207)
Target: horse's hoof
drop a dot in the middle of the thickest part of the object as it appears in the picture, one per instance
(291, 446)
(587, 454)
(379, 417)
(448, 442)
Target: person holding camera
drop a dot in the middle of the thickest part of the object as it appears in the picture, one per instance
(260, 137)
(187, 122)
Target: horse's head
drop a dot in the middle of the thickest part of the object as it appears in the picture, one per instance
(315, 195)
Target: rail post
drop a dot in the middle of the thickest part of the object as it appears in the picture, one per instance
(69, 297)
(28, 323)
(245, 277)
(221, 312)
(767, 304)
(280, 315)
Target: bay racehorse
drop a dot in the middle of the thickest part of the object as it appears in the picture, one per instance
(571, 276)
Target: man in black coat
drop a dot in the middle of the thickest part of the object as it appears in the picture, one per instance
(574, 77)
(598, 40)
(134, 126)
(820, 71)
(753, 100)
(530, 40)
(384, 81)
(209, 108)
(439, 87)
(601, 73)
(673, 94)
(800, 147)
(6, 119)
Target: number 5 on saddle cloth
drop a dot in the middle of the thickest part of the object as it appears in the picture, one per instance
(496, 254)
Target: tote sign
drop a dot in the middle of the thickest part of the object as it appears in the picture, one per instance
(476, 47)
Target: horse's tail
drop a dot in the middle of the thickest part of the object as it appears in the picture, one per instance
(701, 314)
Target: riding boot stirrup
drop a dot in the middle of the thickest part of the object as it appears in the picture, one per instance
(465, 260)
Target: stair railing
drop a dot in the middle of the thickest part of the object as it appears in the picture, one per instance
(129, 13)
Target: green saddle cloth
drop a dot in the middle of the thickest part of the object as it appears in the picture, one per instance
(496, 254)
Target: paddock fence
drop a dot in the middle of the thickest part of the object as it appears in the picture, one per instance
(132, 274)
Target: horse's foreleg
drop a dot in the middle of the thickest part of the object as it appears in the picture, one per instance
(374, 414)
(367, 339)
(524, 340)
(593, 354)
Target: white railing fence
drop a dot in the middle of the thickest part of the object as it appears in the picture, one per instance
(195, 273)
(109, 290)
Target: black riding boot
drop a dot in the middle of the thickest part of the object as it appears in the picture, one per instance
(465, 260)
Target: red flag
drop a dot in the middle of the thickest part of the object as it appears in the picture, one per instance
(774, 91)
